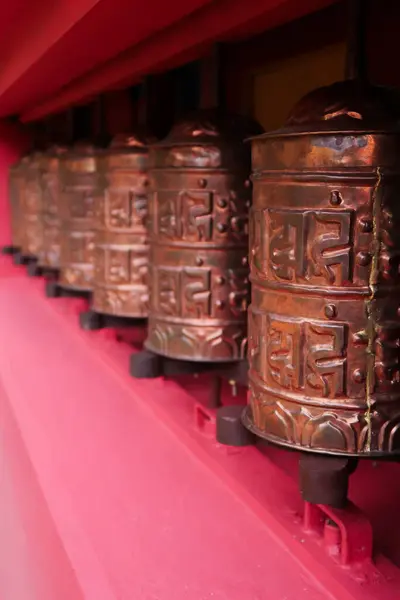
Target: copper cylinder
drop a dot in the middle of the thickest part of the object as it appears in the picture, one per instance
(121, 244)
(49, 255)
(80, 188)
(31, 230)
(16, 189)
(324, 320)
(199, 239)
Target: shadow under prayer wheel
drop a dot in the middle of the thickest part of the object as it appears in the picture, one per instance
(121, 250)
(324, 320)
(198, 229)
(31, 231)
(49, 255)
(81, 185)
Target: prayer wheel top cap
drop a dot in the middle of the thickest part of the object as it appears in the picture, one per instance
(35, 158)
(205, 127)
(20, 162)
(56, 150)
(346, 106)
(84, 148)
(131, 141)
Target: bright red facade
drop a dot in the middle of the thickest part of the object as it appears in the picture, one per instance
(114, 488)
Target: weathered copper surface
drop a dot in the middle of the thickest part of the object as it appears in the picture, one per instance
(81, 185)
(16, 188)
(199, 239)
(324, 320)
(31, 225)
(49, 255)
(121, 244)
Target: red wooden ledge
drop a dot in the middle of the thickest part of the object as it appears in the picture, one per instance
(133, 501)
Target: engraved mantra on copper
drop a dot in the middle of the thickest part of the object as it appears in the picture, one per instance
(122, 267)
(303, 357)
(125, 208)
(77, 233)
(191, 216)
(199, 279)
(198, 272)
(120, 285)
(189, 291)
(303, 246)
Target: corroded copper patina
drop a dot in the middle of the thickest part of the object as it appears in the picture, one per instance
(15, 189)
(31, 198)
(121, 245)
(324, 320)
(80, 187)
(199, 239)
(49, 255)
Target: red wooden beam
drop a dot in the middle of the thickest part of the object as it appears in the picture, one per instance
(219, 20)
(9, 14)
(109, 28)
(40, 24)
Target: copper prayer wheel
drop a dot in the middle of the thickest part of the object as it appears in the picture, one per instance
(31, 226)
(198, 230)
(16, 188)
(49, 255)
(80, 188)
(324, 320)
(120, 244)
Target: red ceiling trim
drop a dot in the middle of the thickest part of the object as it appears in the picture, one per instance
(171, 46)
(41, 24)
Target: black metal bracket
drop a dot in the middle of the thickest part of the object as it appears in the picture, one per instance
(148, 365)
(54, 290)
(325, 479)
(170, 367)
(9, 250)
(35, 270)
(230, 429)
(22, 260)
(91, 321)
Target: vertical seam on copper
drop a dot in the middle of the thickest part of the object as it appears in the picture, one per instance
(371, 317)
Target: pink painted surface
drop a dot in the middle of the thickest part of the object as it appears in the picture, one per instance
(138, 515)
(33, 561)
(121, 497)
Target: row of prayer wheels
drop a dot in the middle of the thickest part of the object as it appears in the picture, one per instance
(160, 230)
(157, 231)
